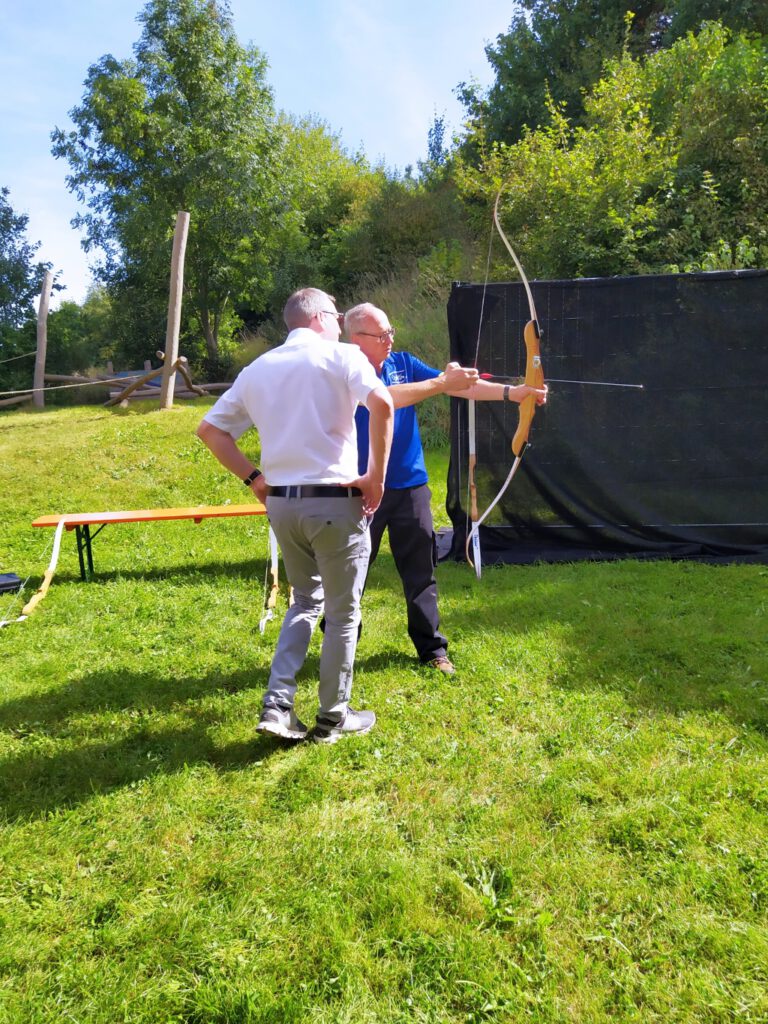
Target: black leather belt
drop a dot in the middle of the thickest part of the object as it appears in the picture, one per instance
(314, 491)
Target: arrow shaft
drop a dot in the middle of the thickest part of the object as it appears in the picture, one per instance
(558, 380)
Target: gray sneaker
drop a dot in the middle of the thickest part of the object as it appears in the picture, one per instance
(279, 722)
(353, 723)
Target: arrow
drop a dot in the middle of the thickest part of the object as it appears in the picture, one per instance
(556, 380)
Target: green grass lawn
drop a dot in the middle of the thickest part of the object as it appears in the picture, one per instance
(572, 828)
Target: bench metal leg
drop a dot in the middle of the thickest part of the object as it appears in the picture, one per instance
(84, 549)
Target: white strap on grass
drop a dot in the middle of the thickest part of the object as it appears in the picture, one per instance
(270, 596)
(36, 598)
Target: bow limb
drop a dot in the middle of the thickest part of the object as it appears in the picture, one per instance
(518, 264)
(534, 377)
(499, 496)
(473, 537)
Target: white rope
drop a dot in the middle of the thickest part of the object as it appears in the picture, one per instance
(271, 596)
(60, 387)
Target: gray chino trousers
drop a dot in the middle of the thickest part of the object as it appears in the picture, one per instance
(325, 546)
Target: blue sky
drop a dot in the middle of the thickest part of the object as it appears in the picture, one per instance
(376, 73)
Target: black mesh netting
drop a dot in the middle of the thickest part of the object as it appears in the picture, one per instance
(677, 469)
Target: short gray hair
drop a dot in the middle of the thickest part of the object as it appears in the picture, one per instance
(303, 305)
(355, 317)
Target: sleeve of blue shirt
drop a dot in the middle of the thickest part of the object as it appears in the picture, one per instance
(420, 370)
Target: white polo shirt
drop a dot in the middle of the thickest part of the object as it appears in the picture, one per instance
(301, 397)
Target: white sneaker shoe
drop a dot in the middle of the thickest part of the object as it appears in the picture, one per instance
(278, 722)
(354, 723)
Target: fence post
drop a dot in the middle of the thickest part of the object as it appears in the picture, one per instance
(174, 310)
(38, 398)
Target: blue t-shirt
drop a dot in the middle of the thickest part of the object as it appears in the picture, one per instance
(406, 460)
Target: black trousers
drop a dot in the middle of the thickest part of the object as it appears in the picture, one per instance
(407, 515)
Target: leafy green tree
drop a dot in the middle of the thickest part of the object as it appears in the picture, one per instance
(685, 16)
(20, 281)
(667, 172)
(20, 275)
(555, 50)
(392, 227)
(324, 186)
(350, 222)
(710, 94)
(437, 151)
(80, 335)
(186, 124)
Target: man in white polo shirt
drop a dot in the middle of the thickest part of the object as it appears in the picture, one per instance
(301, 397)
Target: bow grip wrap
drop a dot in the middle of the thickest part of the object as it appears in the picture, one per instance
(534, 377)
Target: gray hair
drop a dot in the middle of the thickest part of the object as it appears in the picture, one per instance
(355, 318)
(303, 305)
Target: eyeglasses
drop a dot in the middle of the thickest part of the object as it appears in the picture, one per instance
(384, 337)
(338, 317)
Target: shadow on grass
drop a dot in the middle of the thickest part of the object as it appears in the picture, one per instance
(244, 569)
(391, 659)
(654, 641)
(159, 726)
(144, 694)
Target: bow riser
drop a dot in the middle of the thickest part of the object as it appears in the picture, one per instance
(534, 377)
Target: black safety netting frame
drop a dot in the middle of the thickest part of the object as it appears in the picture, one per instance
(676, 470)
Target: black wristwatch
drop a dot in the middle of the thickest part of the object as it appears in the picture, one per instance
(249, 479)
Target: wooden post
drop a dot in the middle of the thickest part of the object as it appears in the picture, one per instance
(38, 399)
(174, 310)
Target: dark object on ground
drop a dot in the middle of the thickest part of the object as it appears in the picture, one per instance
(9, 583)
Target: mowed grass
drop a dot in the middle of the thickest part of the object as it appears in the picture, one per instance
(570, 829)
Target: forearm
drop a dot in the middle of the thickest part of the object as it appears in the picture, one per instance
(489, 391)
(403, 395)
(482, 391)
(223, 447)
(382, 417)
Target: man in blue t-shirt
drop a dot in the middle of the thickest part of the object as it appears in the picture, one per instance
(405, 508)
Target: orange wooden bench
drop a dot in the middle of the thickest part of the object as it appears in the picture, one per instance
(82, 522)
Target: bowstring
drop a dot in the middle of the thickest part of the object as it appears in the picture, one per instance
(495, 223)
(477, 356)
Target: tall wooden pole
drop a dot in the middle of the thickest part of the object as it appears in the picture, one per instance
(38, 399)
(174, 310)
